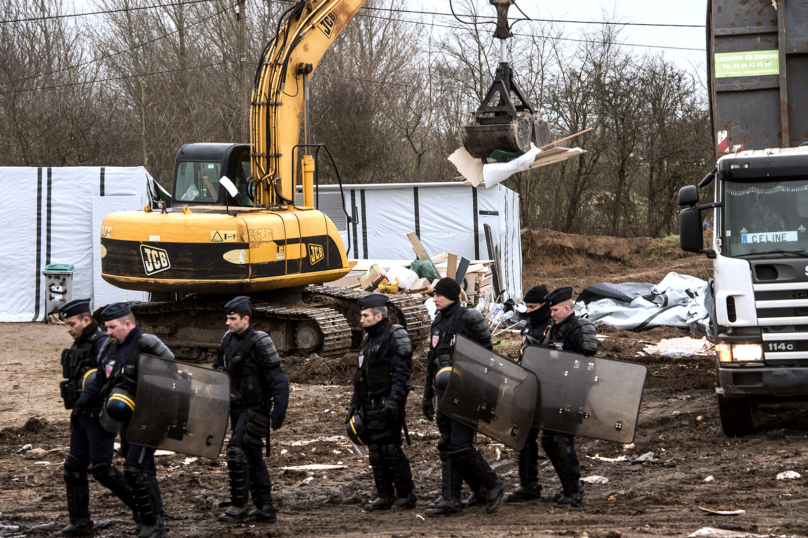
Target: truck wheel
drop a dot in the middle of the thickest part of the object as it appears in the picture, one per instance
(738, 417)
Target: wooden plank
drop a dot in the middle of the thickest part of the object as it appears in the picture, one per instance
(451, 267)
(441, 256)
(419, 249)
(462, 269)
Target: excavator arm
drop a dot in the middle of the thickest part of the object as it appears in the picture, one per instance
(279, 98)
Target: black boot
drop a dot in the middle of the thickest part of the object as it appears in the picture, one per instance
(477, 497)
(448, 504)
(106, 475)
(77, 527)
(73, 473)
(529, 488)
(402, 480)
(264, 509)
(146, 501)
(239, 475)
(436, 502)
(384, 489)
(570, 497)
(493, 484)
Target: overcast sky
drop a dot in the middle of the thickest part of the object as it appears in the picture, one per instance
(636, 11)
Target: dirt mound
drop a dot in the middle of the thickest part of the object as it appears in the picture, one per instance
(559, 259)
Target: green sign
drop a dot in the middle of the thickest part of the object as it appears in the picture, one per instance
(754, 63)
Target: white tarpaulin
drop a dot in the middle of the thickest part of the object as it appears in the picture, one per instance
(48, 216)
(677, 301)
(447, 217)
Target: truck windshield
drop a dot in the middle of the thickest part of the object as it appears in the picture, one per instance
(766, 219)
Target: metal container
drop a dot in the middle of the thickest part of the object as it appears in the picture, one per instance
(59, 286)
(758, 73)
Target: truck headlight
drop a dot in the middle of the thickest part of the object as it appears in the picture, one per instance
(724, 352)
(747, 352)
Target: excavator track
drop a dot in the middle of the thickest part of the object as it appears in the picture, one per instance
(194, 327)
(403, 310)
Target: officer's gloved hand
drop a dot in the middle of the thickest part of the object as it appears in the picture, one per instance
(351, 412)
(74, 416)
(277, 422)
(392, 407)
(427, 406)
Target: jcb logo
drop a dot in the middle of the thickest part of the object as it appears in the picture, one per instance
(327, 24)
(154, 259)
(316, 254)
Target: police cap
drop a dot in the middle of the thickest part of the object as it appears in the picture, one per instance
(536, 294)
(116, 311)
(374, 300)
(239, 304)
(74, 308)
(559, 295)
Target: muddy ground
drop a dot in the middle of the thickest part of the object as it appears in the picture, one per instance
(678, 423)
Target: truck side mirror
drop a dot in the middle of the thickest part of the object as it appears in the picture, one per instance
(690, 234)
(688, 196)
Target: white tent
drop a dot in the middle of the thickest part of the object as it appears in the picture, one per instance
(447, 217)
(54, 215)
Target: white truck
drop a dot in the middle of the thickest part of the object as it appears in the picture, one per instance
(758, 75)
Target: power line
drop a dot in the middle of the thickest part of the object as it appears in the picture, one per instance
(368, 8)
(91, 13)
(118, 53)
(533, 35)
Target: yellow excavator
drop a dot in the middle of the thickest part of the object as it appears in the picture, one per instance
(235, 225)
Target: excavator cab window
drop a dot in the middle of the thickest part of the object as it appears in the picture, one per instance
(198, 182)
(243, 181)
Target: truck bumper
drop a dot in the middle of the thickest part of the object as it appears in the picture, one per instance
(778, 382)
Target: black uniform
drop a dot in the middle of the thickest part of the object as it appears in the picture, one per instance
(380, 395)
(117, 367)
(91, 446)
(259, 397)
(529, 487)
(579, 336)
(459, 459)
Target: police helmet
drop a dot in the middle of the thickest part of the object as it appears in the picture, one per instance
(356, 430)
(442, 378)
(120, 405)
(88, 378)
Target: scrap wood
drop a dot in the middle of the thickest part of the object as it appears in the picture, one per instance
(567, 138)
(419, 249)
(555, 155)
(722, 512)
(451, 266)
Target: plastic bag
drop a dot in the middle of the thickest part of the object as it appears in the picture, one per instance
(388, 287)
(424, 269)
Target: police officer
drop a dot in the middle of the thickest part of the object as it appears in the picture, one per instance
(567, 332)
(538, 314)
(380, 395)
(256, 381)
(459, 459)
(91, 446)
(114, 386)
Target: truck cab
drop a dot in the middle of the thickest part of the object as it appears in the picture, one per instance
(760, 286)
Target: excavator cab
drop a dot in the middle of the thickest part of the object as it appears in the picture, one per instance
(198, 168)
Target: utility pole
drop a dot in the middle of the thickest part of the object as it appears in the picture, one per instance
(244, 90)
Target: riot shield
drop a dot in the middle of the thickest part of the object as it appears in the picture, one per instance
(588, 396)
(491, 394)
(180, 407)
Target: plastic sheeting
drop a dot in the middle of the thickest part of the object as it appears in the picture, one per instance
(447, 217)
(677, 301)
(48, 217)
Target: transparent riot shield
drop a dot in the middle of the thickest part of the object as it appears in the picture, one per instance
(490, 393)
(180, 407)
(588, 396)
